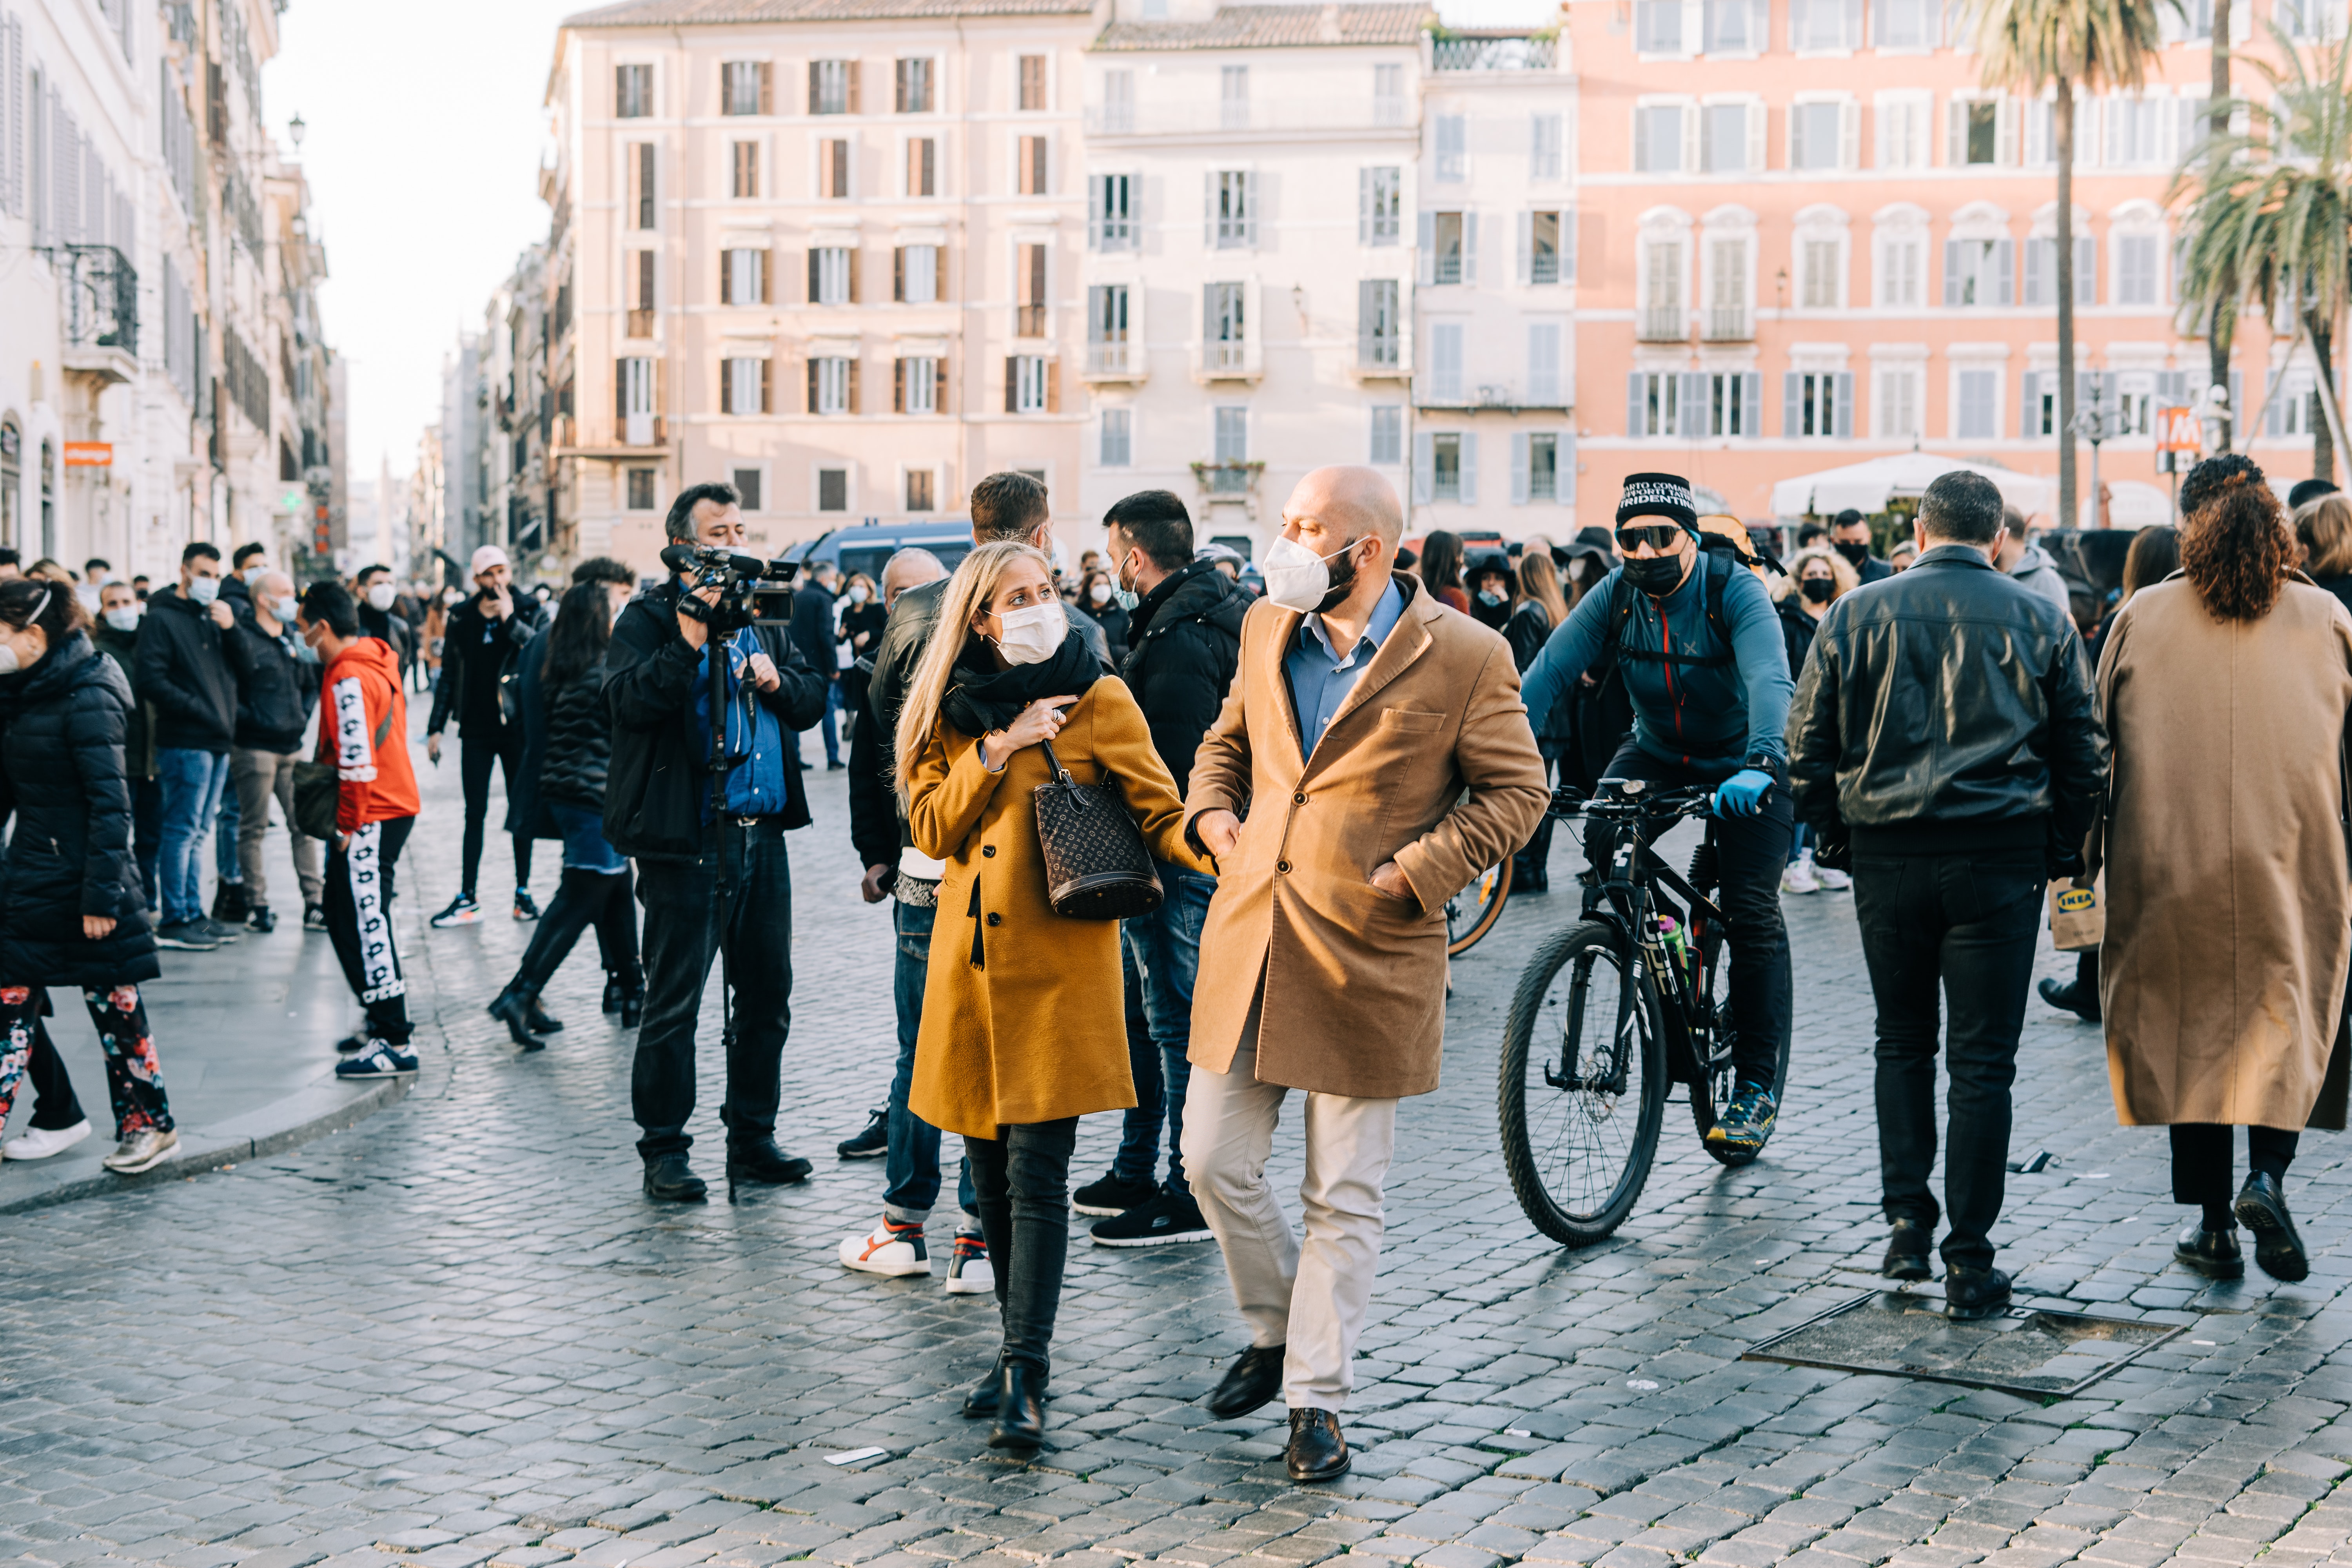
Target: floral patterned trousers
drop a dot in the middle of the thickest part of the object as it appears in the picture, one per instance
(134, 1080)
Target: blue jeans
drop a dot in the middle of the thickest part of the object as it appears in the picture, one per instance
(225, 836)
(193, 781)
(1163, 951)
(585, 848)
(911, 1168)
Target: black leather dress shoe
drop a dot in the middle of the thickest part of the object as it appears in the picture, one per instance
(2212, 1253)
(980, 1405)
(2068, 998)
(1249, 1382)
(1910, 1245)
(2261, 1208)
(1971, 1295)
(541, 1021)
(1316, 1452)
(763, 1161)
(1020, 1407)
(668, 1178)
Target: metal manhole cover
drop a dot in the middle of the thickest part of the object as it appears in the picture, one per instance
(2030, 1351)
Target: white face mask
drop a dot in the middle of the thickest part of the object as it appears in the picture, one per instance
(204, 590)
(1033, 634)
(254, 574)
(1100, 593)
(283, 610)
(381, 595)
(857, 593)
(124, 618)
(1296, 577)
(8, 664)
(451, 596)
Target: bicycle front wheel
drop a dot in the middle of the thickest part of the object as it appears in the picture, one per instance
(1470, 913)
(1583, 1085)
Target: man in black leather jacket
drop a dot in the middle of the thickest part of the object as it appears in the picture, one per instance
(486, 636)
(711, 882)
(1946, 735)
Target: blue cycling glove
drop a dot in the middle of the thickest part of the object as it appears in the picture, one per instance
(1743, 793)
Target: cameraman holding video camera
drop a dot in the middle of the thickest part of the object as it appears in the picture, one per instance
(708, 886)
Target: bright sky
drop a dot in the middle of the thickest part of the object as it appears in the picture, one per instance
(423, 141)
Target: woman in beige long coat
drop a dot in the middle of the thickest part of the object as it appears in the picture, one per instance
(2228, 920)
(1022, 1032)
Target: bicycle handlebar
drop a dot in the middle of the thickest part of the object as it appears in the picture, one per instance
(1615, 802)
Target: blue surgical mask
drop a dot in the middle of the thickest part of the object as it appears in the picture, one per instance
(283, 610)
(204, 590)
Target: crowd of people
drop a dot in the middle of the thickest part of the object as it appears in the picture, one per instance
(1315, 751)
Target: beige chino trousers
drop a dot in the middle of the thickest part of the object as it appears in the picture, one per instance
(1309, 1296)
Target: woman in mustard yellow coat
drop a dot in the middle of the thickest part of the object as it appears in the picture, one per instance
(1022, 1032)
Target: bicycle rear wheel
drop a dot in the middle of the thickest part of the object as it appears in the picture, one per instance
(1583, 1085)
(1470, 913)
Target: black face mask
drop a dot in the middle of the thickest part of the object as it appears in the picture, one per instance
(1818, 589)
(1343, 580)
(1855, 553)
(1657, 576)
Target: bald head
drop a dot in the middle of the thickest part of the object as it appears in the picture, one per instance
(908, 569)
(276, 586)
(1350, 502)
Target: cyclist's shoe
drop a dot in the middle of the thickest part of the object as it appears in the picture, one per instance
(1746, 1122)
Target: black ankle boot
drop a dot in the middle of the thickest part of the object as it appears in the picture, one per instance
(513, 1008)
(612, 992)
(980, 1405)
(632, 1004)
(670, 1179)
(540, 1020)
(1020, 1407)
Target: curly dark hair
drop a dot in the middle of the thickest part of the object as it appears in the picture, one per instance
(2236, 544)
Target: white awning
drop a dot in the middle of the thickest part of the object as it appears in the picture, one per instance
(1868, 487)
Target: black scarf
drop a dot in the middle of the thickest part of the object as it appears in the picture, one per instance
(982, 699)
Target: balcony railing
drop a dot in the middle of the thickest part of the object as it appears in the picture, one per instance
(1028, 321)
(1226, 353)
(1120, 358)
(1333, 114)
(1663, 324)
(103, 308)
(1492, 54)
(1375, 352)
(1227, 477)
(1729, 324)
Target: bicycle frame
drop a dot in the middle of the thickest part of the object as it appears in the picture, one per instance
(1631, 896)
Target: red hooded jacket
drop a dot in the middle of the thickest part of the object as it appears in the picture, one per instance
(364, 731)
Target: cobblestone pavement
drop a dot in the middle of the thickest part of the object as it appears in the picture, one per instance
(456, 1334)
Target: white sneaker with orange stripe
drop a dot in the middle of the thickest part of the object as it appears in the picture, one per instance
(892, 1248)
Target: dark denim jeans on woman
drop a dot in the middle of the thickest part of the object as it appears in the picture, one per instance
(1964, 925)
(1022, 1179)
(1160, 956)
(911, 1168)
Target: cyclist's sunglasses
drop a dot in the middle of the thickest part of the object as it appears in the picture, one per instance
(1658, 536)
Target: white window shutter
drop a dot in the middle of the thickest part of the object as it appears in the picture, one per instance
(1253, 196)
(2027, 405)
(2086, 270)
(2006, 127)
(1793, 405)
(1469, 468)
(1526, 247)
(1469, 248)
(1796, 136)
(1564, 475)
(1690, 405)
(1568, 244)
(1518, 467)
(1634, 410)
(2004, 262)
(1363, 207)
(1956, 132)
(1424, 461)
(1641, 140)
(1797, 18)
(1853, 23)
(1752, 404)
(1951, 272)
(1849, 136)
(1690, 138)
(1844, 428)
(1428, 248)
(1694, 26)
(1757, 122)
(1209, 208)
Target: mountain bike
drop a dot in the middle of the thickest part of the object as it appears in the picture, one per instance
(1612, 1010)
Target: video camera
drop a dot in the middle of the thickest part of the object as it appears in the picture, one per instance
(743, 581)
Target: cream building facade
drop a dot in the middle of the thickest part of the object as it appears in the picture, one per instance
(829, 252)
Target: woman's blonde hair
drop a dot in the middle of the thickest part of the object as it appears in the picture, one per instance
(1539, 581)
(1843, 579)
(2325, 527)
(969, 592)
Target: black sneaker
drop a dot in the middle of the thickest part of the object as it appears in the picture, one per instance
(524, 909)
(872, 1144)
(188, 936)
(463, 910)
(1113, 1194)
(1171, 1218)
(259, 918)
(222, 935)
(314, 917)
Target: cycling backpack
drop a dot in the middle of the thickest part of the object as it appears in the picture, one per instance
(1602, 716)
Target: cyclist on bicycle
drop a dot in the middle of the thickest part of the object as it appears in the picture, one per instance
(1700, 648)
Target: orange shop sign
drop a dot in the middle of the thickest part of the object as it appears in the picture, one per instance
(90, 454)
(2178, 429)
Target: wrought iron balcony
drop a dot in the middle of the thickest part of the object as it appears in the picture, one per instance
(1492, 54)
(101, 298)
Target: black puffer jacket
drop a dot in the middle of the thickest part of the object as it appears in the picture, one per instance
(579, 740)
(1798, 630)
(62, 776)
(1949, 710)
(1185, 642)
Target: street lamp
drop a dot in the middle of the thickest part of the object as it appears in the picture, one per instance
(294, 128)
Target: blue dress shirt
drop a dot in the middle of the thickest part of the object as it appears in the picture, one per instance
(1321, 677)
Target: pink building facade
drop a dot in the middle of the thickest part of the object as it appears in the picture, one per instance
(1811, 236)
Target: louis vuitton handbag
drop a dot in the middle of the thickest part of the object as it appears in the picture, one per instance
(1096, 867)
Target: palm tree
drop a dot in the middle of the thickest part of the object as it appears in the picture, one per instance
(2224, 318)
(2271, 221)
(2070, 46)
